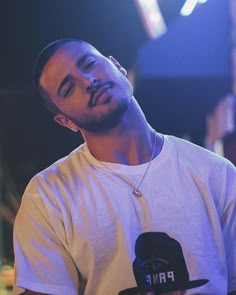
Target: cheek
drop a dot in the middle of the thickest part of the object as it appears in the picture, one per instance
(75, 102)
(126, 85)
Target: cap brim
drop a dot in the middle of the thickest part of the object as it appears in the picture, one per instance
(167, 288)
(196, 283)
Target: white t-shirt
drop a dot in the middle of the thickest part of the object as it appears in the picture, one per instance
(76, 230)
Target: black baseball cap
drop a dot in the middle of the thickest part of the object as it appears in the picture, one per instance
(160, 266)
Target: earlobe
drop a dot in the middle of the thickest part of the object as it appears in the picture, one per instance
(118, 65)
(65, 122)
(61, 119)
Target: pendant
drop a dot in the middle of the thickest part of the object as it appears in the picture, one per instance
(137, 193)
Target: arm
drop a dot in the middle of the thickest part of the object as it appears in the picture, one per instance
(42, 262)
(228, 222)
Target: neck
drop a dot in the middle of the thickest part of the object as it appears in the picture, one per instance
(130, 143)
(123, 148)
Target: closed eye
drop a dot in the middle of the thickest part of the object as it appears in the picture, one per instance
(89, 64)
(86, 61)
(68, 89)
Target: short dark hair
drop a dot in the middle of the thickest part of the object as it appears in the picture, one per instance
(40, 63)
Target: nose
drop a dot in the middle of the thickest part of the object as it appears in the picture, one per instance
(93, 86)
(86, 81)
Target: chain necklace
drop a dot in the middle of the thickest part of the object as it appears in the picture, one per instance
(136, 191)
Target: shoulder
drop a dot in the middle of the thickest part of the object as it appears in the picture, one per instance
(48, 189)
(64, 171)
(188, 150)
(196, 158)
(63, 168)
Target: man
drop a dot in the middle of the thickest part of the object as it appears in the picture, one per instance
(79, 220)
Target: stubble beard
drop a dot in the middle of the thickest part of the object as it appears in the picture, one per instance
(105, 122)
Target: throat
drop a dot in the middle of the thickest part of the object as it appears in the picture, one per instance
(131, 157)
(125, 151)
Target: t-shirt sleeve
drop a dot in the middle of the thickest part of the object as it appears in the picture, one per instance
(228, 222)
(42, 262)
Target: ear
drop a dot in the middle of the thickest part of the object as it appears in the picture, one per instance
(65, 122)
(117, 64)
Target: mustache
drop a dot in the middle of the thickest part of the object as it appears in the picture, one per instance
(94, 88)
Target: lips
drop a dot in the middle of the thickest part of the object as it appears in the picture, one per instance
(99, 93)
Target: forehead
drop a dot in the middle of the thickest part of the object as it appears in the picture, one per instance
(64, 58)
(74, 49)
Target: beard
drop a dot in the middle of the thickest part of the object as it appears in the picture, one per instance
(103, 122)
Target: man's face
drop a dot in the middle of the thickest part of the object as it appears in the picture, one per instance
(68, 77)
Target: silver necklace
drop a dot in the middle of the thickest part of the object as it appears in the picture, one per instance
(136, 191)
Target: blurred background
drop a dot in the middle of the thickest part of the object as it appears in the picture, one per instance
(180, 56)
